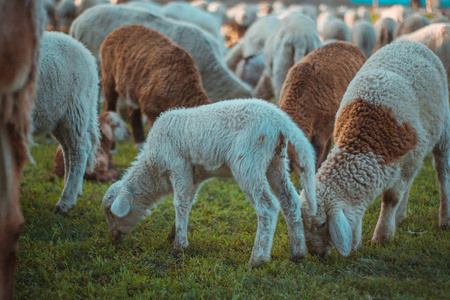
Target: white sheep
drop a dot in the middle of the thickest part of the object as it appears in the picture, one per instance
(411, 24)
(385, 30)
(396, 12)
(154, 7)
(350, 17)
(336, 29)
(250, 69)
(66, 106)
(323, 19)
(183, 11)
(294, 37)
(92, 27)
(364, 36)
(395, 111)
(244, 139)
(436, 37)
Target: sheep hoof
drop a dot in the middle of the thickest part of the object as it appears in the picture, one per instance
(60, 211)
(378, 241)
(296, 259)
(444, 225)
(176, 253)
(255, 263)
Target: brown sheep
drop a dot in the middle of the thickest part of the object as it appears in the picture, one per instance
(112, 128)
(313, 90)
(21, 26)
(151, 72)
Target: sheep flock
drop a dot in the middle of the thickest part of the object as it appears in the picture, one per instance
(350, 98)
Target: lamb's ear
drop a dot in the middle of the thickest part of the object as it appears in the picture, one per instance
(107, 131)
(121, 206)
(341, 233)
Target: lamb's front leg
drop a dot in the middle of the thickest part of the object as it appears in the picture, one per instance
(184, 194)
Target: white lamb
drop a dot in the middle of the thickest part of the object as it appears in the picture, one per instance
(244, 139)
(66, 106)
(395, 111)
(295, 37)
(364, 36)
(92, 27)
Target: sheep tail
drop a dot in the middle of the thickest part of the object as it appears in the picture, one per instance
(306, 158)
(94, 138)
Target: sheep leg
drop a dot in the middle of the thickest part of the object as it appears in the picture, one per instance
(184, 194)
(441, 153)
(110, 93)
(137, 126)
(289, 200)
(263, 89)
(73, 186)
(281, 65)
(401, 212)
(385, 229)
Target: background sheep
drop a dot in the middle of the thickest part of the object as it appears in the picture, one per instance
(436, 37)
(152, 72)
(244, 139)
(67, 12)
(66, 106)
(363, 35)
(250, 69)
(92, 27)
(393, 113)
(112, 128)
(21, 26)
(336, 30)
(239, 19)
(313, 91)
(385, 30)
(411, 24)
(295, 36)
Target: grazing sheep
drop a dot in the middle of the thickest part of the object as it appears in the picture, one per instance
(411, 24)
(436, 37)
(385, 30)
(67, 12)
(364, 36)
(336, 30)
(66, 106)
(21, 25)
(322, 20)
(313, 91)
(244, 139)
(393, 113)
(250, 69)
(295, 36)
(92, 27)
(183, 11)
(112, 128)
(150, 71)
(239, 19)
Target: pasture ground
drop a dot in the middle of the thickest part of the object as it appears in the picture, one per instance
(74, 257)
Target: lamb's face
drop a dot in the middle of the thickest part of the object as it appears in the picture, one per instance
(318, 240)
(117, 205)
(120, 130)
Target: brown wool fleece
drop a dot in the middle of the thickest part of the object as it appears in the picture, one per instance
(105, 169)
(146, 67)
(362, 127)
(313, 91)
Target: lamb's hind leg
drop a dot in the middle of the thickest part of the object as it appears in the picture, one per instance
(290, 206)
(441, 153)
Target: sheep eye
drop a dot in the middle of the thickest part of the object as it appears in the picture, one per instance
(322, 225)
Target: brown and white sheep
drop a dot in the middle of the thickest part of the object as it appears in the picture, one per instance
(21, 26)
(151, 72)
(312, 93)
(112, 128)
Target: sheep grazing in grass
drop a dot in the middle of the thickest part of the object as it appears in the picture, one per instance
(385, 30)
(364, 36)
(313, 91)
(295, 36)
(21, 25)
(411, 24)
(393, 113)
(92, 27)
(436, 37)
(112, 129)
(149, 70)
(66, 106)
(244, 139)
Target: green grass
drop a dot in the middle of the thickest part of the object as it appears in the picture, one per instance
(74, 257)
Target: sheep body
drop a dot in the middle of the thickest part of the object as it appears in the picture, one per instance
(295, 36)
(313, 91)
(385, 30)
(411, 24)
(66, 106)
(364, 36)
(393, 113)
(336, 29)
(92, 27)
(147, 68)
(244, 139)
(112, 129)
(21, 26)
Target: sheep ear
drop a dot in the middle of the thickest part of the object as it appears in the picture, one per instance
(107, 132)
(341, 233)
(121, 206)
